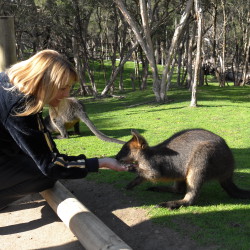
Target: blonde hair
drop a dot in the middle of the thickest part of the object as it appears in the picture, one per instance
(40, 78)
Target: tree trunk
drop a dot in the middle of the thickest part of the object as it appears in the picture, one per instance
(144, 75)
(179, 66)
(198, 12)
(245, 76)
(215, 13)
(190, 56)
(170, 74)
(84, 89)
(175, 41)
(222, 71)
(83, 44)
(7, 42)
(124, 60)
(146, 44)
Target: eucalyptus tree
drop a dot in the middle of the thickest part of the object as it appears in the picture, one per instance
(143, 36)
(241, 26)
(199, 16)
(143, 33)
(179, 31)
(112, 36)
(227, 41)
(160, 31)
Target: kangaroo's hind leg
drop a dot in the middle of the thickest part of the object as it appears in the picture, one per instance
(77, 128)
(179, 187)
(193, 185)
(137, 181)
(195, 177)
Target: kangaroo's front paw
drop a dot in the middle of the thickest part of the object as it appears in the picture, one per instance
(170, 205)
(129, 186)
(154, 189)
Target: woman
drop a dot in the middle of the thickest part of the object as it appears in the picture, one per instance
(29, 159)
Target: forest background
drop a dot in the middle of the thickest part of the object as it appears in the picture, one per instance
(195, 37)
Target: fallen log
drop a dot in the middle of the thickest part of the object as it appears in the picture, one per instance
(90, 231)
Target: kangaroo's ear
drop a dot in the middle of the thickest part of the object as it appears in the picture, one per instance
(134, 132)
(138, 141)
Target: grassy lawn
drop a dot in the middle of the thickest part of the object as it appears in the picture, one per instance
(216, 219)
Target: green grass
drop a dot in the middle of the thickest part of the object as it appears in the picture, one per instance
(216, 219)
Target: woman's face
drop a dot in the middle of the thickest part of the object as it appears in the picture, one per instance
(61, 94)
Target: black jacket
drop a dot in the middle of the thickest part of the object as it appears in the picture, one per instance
(28, 135)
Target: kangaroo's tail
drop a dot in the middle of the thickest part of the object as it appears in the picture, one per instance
(84, 118)
(233, 190)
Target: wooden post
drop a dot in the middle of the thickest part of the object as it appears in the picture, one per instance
(91, 232)
(7, 42)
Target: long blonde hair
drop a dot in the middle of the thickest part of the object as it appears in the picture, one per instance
(40, 78)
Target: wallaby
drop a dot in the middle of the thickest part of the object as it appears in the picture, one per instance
(68, 114)
(189, 158)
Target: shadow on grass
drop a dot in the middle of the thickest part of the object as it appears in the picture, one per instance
(211, 222)
(85, 132)
(224, 229)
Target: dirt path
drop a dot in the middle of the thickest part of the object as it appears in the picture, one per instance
(129, 222)
(31, 223)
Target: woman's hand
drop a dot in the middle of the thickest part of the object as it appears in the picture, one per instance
(111, 164)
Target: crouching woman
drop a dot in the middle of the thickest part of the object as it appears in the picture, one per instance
(29, 159)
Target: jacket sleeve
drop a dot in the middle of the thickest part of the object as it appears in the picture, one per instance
(33, 138)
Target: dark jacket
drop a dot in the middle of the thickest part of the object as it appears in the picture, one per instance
(28, 135)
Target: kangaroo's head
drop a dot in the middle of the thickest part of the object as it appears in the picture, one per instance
(132, 150)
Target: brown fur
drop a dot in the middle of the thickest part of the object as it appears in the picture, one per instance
(189, 158)
(67, 115)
